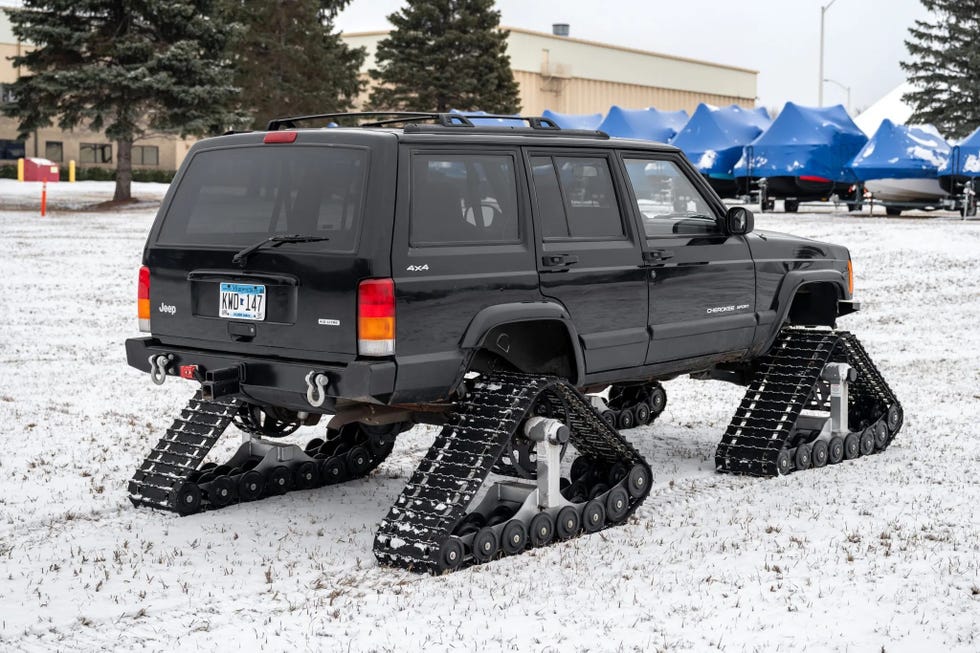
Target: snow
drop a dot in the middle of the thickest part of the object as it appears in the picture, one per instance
(707, 159)
(878, 553)
(972, 163)
(890, 106)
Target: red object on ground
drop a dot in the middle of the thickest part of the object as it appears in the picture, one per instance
(41, 170)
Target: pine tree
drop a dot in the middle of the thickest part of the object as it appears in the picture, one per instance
(944, 66)
(445, 54)
(289, 61)
(130, 68)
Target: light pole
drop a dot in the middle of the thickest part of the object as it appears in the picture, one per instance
(823, 10)
(846, 88)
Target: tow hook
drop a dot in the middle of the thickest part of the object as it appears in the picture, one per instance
(158, 367)
(315, 384)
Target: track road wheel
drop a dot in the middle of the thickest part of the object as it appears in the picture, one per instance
(617, 504)
(484, 545)
(221, 492)
(187, 500)
(868, 441)
(803, 457)
(581, 466)
(852, 446)
(450, 555)
(658, 400)
(638, 481)
(597, 490)
(542, 529)
(593, 516)
(567, 525)
(278, 480)
(250, 485)
(642, 413)
(881, 435)
(835, 450)
(333, 470)
(305, 476)
(895, 418)
(359, 461)
(513, 537)
(784, 462)
(819, 453)
(626, 419)
(610, 417)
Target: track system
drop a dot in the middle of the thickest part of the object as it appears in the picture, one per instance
(816, 398)
(173, 477)
(448, 517)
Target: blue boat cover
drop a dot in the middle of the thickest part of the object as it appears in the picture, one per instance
(646, 124)
(964, 159)
(804, 142)
(901, 152)
(474, 118)
(714, 137)
(574, 120)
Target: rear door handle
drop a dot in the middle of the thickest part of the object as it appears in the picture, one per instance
(657, 255)
(556, 260)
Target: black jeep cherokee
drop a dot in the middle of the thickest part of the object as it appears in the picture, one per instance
(438, 268)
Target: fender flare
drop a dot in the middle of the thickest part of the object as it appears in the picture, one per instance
(502, 314)
(791, 284)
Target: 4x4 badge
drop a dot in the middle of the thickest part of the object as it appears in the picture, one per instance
(417, 268)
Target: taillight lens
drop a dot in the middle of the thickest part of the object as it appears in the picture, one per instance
(143, 299)
(280, 137)
(850, 278)
(376, 317)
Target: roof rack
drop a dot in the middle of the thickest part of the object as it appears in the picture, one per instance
(411, 119)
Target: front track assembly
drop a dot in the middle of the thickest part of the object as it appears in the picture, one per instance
(173, 478)
(816, 398)
(448, 516)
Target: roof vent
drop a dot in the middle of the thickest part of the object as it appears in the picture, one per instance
(559, 29)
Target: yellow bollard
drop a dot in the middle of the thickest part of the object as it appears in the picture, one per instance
(71, 171)
(20, 169)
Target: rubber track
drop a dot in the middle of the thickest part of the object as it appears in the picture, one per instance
(788, 381)
(181, 451)
(448, 478)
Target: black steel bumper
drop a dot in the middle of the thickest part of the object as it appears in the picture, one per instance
(847, 306)
(276, 381)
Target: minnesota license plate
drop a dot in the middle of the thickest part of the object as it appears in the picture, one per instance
(241, 301)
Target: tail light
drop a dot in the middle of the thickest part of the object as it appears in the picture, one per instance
(143, 299)
(850, 278)
(376, 317)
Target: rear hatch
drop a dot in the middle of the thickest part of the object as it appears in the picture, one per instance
(290, 299)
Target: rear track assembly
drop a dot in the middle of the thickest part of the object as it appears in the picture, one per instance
(172, 477)
(437, 524)
(816, 398)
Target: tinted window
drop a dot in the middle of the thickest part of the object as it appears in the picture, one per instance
(463, 198)
(551, 208)
(236, 196)
(576, 198)
(667, 200)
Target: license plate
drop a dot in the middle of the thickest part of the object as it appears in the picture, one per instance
(241, 301)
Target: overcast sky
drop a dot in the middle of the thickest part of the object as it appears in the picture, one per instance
(779, 38)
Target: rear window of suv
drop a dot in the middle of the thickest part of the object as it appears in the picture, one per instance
(237, 196)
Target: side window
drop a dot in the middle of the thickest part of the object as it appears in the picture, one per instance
(576, 197)
(463, 198)
(667, 200)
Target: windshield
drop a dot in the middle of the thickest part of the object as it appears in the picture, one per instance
(238, 196)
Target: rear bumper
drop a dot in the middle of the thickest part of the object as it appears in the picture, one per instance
(275, 381)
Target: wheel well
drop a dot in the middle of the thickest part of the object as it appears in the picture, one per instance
(814, 304)
(539, 346)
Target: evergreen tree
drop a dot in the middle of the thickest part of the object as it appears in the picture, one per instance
(445, 54)
(289, 61)
(130, 68)
(944, 66)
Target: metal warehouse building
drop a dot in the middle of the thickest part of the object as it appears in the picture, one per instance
(571, 75)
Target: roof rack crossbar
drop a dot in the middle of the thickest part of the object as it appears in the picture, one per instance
(442, 119)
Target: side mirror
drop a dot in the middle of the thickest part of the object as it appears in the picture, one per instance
(739, 221)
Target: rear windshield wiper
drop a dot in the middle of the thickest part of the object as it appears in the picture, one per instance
(273, 241)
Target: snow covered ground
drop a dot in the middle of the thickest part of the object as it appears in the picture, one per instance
(882, 553)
